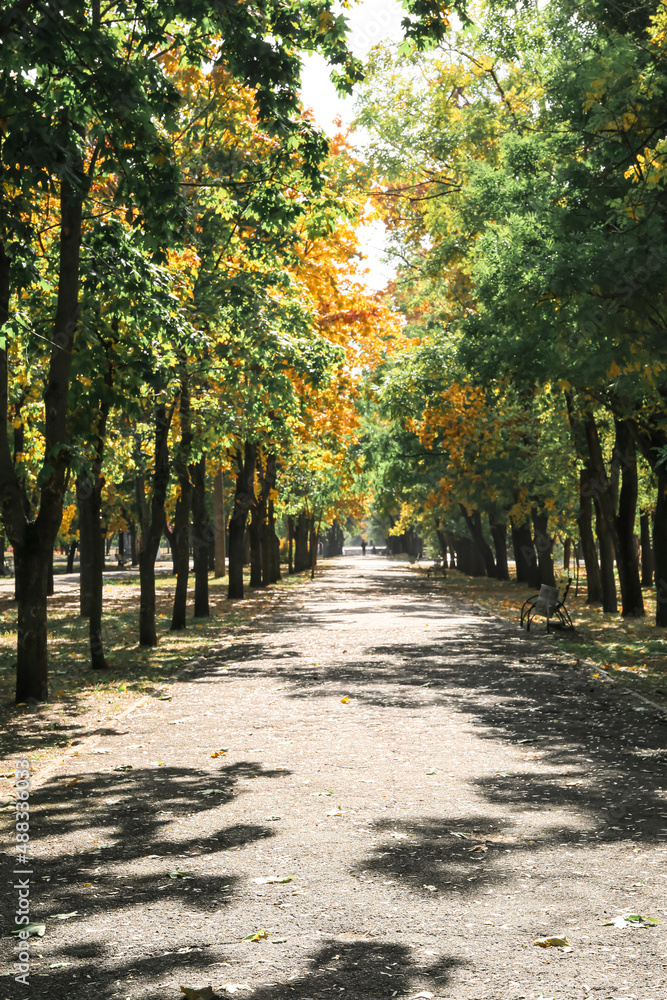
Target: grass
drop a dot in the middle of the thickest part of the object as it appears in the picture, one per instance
(633, 650)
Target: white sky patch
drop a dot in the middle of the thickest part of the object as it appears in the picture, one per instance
(371, 21)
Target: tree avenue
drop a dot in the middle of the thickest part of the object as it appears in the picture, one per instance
(188, 346)
(519, 166)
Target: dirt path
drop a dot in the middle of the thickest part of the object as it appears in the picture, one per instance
(473, 794)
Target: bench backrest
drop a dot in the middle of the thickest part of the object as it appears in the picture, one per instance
(547, 600)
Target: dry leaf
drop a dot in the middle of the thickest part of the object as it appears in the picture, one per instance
(345, 700)
(205, 993)
(552, 942)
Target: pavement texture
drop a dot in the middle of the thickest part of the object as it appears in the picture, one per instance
(371, 790)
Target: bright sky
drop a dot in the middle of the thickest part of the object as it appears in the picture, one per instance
(371, 21)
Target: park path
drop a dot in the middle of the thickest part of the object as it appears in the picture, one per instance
(440, 790)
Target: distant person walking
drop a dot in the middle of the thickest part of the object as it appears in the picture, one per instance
(363, 547)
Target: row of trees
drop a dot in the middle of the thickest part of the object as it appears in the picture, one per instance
(179, 289)
(520, 169)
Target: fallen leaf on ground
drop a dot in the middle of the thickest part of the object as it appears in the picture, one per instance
(205, 993)
(431, 888)
(59, 965)
(455, 833)
(334, 812)
(68, 784)
(424, 994)
(631, 920)
(480, 847)
(220, 753)
(552, 942)
(257, 936)
(166, 697)
(122, 767)
(33, 929)
(64, 916)
(177, 873)
(271, 879)
(345, 700)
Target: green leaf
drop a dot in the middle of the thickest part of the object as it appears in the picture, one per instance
(33, 929)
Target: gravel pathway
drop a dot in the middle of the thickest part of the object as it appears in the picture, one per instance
(394, 792)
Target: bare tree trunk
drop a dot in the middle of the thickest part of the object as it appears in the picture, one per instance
(626, 550)
(183, 508)
(525, 559)
(243, 498)
(499, 536)
(219, 525)
(202, 534)
(585, 522)
(544, 545)
(646, 549)
(152, 522)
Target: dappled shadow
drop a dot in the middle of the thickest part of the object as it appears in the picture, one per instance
(360, 969)
(511, 687)
(126, 815)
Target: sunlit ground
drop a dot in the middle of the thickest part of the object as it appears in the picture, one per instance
(631, 647)
(80, 698)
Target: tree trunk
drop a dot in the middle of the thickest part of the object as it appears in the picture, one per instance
(527, 570)
(270, 572)
(219, 525)
(31, 563)
(86, 559)
(152, 524)
(170, 535)
(71, 552)
(499, 536)
(257, 530)
(33, 540)
(567, 555)
(660, 547)
(201, 537)
(183, 508)
(544, 545)
(244, 496)
(606, 546)
(134, 552)
(290, 544)
(587, 538)
(313, 543)
(646, 549)
(626, 550)
(474, 522)
(275, 545)
(301, 559)
(605, 514)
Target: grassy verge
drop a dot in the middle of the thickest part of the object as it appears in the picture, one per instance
(81, 700)
(632, 650)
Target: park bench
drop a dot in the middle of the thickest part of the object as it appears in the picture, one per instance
(434, 567)
(548, 605)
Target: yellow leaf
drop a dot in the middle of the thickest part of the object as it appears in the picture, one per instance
(345, 700)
